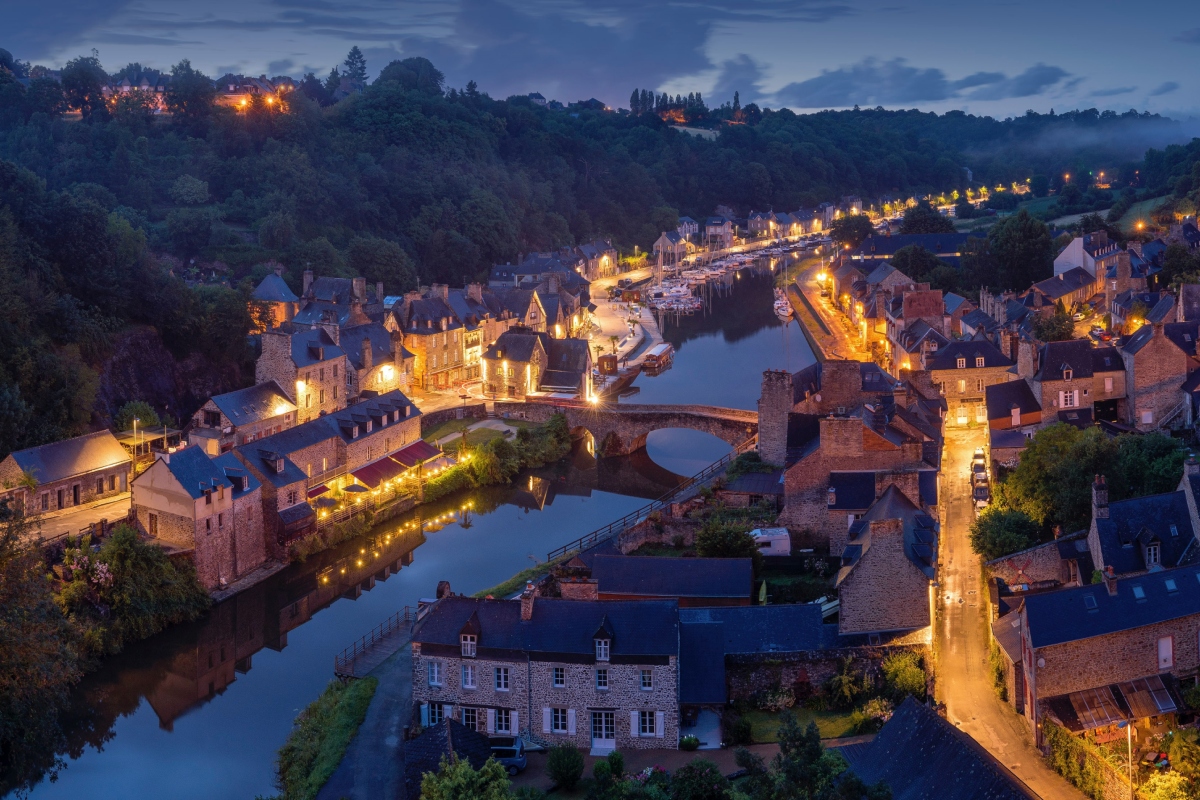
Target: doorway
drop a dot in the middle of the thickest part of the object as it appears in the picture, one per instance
(604, 732)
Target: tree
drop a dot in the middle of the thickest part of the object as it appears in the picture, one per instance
(1019, 252)
(83, 82)
(1056, 327)
(140, 410)
(963, 208)
(564, 766)
(924, 218)
(333, 81)
(319, 255)
(699, 780)
(851, 230)
(635, 104)
(356, 65)
(924, 267)
(998, 532)
(1179, 265)
(190, 94)
(379, 260)
(312, 88)
(456, 779)
(44, 96)
(189, 229)
(1039, 186)
(189, 191)
(904, 676)
(134, 109)
(277, 231)
(417, 74)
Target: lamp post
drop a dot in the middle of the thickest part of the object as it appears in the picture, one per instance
(1128, 726)
(136, 449)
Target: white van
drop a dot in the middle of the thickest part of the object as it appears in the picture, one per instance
(773, 541)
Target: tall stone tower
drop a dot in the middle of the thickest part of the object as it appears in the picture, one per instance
(773, 407)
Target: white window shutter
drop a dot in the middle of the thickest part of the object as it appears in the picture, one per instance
(635, 730)
(448, 711)
(424, 715)
(1076, 398)
(514, 726)
(491, 720)
(659, 724)
(1060, 399)
(545, 720)
(571, 721)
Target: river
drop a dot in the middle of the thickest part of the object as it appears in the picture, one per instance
(199, 711)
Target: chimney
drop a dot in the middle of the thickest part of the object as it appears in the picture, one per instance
(308, 279)
(359, 289)
(527, 603)
(1099, 498)
(1124, 271)
(1110, 581)
(440, 290)
(552, 283)
(475, 292)
(357, 315)
(379, 292)
(443, 590)
(366, 354)
(398, 350)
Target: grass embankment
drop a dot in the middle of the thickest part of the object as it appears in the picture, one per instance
(502, 590)
(320, 737)
(1140, 211)
(764, 725)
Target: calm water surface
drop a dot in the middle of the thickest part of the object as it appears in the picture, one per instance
(199, 711)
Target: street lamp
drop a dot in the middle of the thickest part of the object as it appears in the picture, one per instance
(136, 449)
(1128, 726)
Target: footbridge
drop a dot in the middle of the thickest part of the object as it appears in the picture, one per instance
(621, 429)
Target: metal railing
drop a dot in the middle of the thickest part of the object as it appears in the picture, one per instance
(401, 621)
(634, 517)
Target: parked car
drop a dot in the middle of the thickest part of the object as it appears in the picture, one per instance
(982, 495)
(509, 751)
(979, 473)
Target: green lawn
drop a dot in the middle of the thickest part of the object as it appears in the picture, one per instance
(764, 725)
(1140, 211)
(447, 427)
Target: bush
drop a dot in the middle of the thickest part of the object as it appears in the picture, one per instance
(774, 699)
(699, 780)
(903, 675)
(719, 539)
(689, 743)
(999, 532)
(871, 717)
(140, 410)
(564, 766)
(616, 763)
(738, 730)
(320, 737)
(1167, 786)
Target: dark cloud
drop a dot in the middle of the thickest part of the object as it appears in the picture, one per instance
(136, 38)
(1033, 81)
(280, 67)
(1190, 36)
(978, 79)
(32, 30)
(742, 75)
(1112, 92)
(869, 82)
(1165, 88)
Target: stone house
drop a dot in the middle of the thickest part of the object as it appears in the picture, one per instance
(670, 248)
(287, 514)
(1155, 371)
(718, 232)
(66, 474)
(274, 301)
(209, 508)
(524, 362)
(239, 417)
(1073, 289)
(348, 301)
(599, 259)
(380, 363)
(434, 335)
(889, 566)
(600, 675)
(688, 227)
(1082, 656)
(1011, 405)
(1144, 534)
(1092, 252)
(963, 370)
(308, 364)
(1064, 377)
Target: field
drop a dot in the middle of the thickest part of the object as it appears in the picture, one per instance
(764, 725)
(1141, 211)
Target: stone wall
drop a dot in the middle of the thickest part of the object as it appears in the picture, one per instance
(773, 406)
(1041, 563)
(380, 441)
(648, 532)
(884, 591)
(748, 674)
(175, 530)
(1153, 376)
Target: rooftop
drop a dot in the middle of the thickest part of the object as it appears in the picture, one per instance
(673, 577)
(58, 461)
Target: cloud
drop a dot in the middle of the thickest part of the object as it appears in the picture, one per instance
(1033, 81)
(137, 38)
(1165, 88)
(1112, 92)
(868, 82)
(977, 79)
(1190, 36)
(280, 67)
(742, 75)
(35, 29)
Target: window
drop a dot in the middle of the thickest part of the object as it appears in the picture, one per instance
(1138, 592)
(602, 649)
(1016, 417)
(1166, 652)
(471, 718)
(208, 524)
(961, 363)
(602, 680)
(435, 673)
(501, 679)
(1153, 554)
(335, 371)
(647, 679)
(979, 361)
(645, 723)
(468, 676)
(324, 464)
(979, 384)
(99, 485)
(560, 677)
(468, 641)
(153, 525)
(1067, 373)
(437, 713)
(1147, 417)
(322, 373)
(46, 505)
(558, 720)
(504, 721)
(221, 520)
(308, 400)
(291, 497)
(335, 391)
(962, 386)
(1172, 587)
(1069, 399)
(322, 397)
(1108, 386)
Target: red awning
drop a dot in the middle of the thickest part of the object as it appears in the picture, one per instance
(377, 472)
(318, 490)
(418, 452)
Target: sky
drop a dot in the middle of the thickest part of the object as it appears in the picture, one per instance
(996, 58)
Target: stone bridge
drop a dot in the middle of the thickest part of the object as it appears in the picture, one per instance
(619, 430)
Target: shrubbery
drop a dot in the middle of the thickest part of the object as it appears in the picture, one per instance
(564, 766)
(320, 737)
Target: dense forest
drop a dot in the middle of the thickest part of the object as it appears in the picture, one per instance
(112, 215)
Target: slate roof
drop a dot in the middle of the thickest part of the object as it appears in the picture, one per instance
(1134, 523)
(912, 336)
(196, 472)
(765, 483)
(274, 289)
(874, 379)
(568, 355)
(1067, 615)
(263, 460)
(971, 350)
(977, 319)
(1002, 397)
(1008, 438)
(927, 485)
(327, 427)
(880, 273)
(1183, 335)
(381, 345)
(426, 315)
(515, 345)
(940, 244)
(673, 577)
(639, 627)
(237, 473)
(852, 491)
(1107, 359)
(747, 630)
(920, 534)
(806, 382)
(444, 740)
(58, 461)
(335, 290)
(701, 664)
(305, 344)
(952, 765)
(254, 404)
(1073, 353)
(1065, 283)
(953, 301)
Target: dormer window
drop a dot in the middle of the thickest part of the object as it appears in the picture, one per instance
(468, 641)
(979, 361)
(602, 649)
(962, 363)
(1068, 373)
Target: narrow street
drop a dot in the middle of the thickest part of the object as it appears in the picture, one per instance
(964, 681)
(844, 343)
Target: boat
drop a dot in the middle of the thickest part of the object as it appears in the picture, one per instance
(658, 358)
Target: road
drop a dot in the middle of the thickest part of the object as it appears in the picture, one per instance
(845, 343)
(964, 681)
